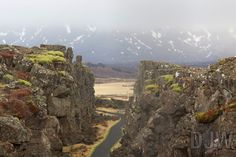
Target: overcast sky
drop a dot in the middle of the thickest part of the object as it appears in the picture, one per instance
(126, 14)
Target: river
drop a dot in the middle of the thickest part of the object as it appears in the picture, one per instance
(115, 133)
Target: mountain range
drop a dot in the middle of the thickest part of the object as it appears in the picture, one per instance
(171, 44)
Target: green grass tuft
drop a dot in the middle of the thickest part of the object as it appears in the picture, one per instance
(176, 88)
(8, 77)
(47, 57)
(55, 53)
(209, 116)
(168, 78)
(152, 88)
(24, 82)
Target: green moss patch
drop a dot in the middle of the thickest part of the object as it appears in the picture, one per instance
(63, 73)
(176, 88)
(149, 81)
(209, 116)
(8, 77)
(55, 53)
(152, 89)
(24, 82)
(46, 57)
(168, 78)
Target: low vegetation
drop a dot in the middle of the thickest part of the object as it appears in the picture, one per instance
(46, 57)
(24, 82)
(7, 54)
(176, 87)
(152, 89)
(212, 114)
(168, 78)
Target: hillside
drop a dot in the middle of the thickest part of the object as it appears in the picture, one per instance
(181, 111)
(111, 71)
(47, 101)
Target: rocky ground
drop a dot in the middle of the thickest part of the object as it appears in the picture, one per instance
(172, 104)
(46, 101)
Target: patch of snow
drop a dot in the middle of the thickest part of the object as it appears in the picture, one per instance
(4, 41)
(92, 28)
(38, 31)
(142, 43)
(78, 38)
(177, 74)
(22, 34)
(209, 54)
(68, 30)
(3, 34)
(154, 34)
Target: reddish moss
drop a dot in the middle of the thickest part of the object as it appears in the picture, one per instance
(19, 93)
(22, 75)
(32, 107)
(18, 108)
(7, 54)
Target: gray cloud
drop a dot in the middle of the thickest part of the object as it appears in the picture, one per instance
(127, 14)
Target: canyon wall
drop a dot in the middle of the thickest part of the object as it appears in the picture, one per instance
(46, 101)
(181, 112)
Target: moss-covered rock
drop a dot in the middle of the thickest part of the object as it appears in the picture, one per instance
(176, 88)
(24, 82)
(46, 57)
(8, 77)
(152, 89)
(168, 78)
(209, 116)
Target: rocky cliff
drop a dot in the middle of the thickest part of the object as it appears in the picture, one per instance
(182, 112)
(46, 101)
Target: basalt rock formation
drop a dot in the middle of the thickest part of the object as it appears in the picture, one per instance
(182, 112)
(46, 101)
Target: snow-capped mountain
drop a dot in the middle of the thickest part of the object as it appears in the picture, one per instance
(165, 44)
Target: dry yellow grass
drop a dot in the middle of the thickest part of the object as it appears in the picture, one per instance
(121, 89)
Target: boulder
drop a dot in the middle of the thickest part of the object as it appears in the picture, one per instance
(12, 130)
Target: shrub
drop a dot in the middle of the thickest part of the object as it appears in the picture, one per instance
(46, 58)
(24, 82)
(152, 89)
(168, 78)
(176, 88)
(18, 93)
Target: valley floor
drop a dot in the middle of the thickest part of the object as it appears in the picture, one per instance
(83, 150)
(111, 88)
(114, 88)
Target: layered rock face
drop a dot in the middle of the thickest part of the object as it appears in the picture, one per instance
(46, 101)
(182, 112)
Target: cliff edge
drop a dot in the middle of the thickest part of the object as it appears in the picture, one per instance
(46, 101)
(181, 112)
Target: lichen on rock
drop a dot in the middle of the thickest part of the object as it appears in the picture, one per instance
(46, 101)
